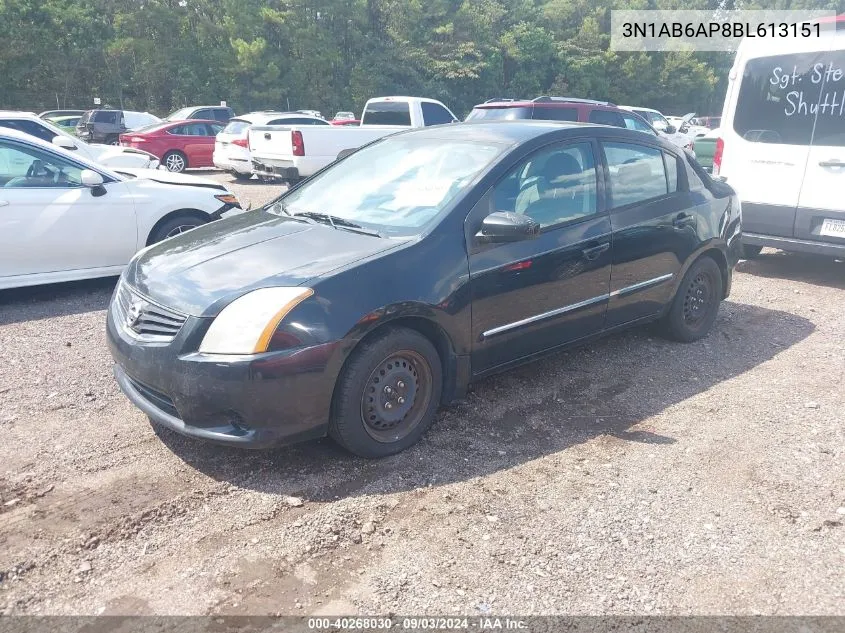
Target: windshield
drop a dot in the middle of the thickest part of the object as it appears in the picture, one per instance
(397, 186)
(180, 115)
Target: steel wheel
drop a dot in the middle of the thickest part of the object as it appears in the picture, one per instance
(396, 396)
(174, 162)
(697, 300)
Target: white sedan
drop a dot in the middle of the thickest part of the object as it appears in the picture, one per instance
(107, 155)
(63, 217)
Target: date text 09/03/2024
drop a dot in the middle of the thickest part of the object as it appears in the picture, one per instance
(418, 624)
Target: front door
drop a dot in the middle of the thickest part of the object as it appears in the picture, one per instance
(50, 222)
(533, 295)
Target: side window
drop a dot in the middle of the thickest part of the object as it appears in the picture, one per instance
(195, 129)
(552, 186)
(222, 114)
(556, 114)
(606, 117)
(201, 114)
(23, 166)
(179, 130)
(671, 171)
(633, 122)
(434, 114)
(29, 127)
(659, 122)
(636, 173)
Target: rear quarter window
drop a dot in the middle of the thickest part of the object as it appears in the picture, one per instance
(556, 114)
(606, 117)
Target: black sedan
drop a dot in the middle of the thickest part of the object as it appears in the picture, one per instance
(361, 300)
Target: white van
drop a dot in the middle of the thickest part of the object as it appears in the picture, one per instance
(782, 144)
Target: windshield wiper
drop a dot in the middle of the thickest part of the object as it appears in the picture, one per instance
(283, 208)
(337, 222)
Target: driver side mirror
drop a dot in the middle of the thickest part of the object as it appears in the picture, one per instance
(670, 129)
(504, 226)
(64, 142)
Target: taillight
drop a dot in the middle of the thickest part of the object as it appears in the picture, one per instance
(297, 143)
(717, 156)
(241, 142)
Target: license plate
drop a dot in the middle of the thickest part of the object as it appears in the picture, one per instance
(833, 228)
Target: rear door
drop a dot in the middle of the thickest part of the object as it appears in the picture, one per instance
(654, 228)
(821, 206)
(535, 294)
(771, 108)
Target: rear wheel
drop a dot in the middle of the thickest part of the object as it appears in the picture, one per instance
(174, 226)
(387, 395)
(751, 252)
(239, 176)
(696, 303)
(175, 161)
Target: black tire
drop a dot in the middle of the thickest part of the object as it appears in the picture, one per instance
(175, 225)
(175, 161)
(696, 303)
(239, 176)
(751, 252)
(387, 394)
(113, 140)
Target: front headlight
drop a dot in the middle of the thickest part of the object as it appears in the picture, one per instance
(246, 325)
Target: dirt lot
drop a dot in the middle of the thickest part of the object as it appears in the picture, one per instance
(631, 476)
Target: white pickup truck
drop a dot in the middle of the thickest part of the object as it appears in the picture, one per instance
(291, 152)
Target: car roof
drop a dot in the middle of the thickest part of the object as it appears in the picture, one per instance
(514, 132)
(261, 118)
(74, 156)
(544, 101)
(11, 114)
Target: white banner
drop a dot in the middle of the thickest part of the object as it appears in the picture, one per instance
(684, 30)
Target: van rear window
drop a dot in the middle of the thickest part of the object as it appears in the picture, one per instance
(780, 96)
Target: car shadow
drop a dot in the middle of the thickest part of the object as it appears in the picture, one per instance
(33, 303)
(813, 269)
(604, 390)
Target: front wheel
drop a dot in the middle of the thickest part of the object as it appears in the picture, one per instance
(175, 226)
(387, 395)
(696, 303)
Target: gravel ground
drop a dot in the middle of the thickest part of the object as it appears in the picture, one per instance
(633, 476)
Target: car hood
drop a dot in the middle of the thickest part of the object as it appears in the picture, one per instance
(170, 178)
(199, 272)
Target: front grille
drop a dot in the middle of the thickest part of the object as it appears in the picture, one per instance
(143, 319)
(158, 399)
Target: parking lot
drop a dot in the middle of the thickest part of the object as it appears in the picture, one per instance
(635, 475)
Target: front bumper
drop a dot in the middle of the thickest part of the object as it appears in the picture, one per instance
(246, 401)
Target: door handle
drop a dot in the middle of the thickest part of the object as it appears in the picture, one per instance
(833, 162)
(682, 220)
(594, 251)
